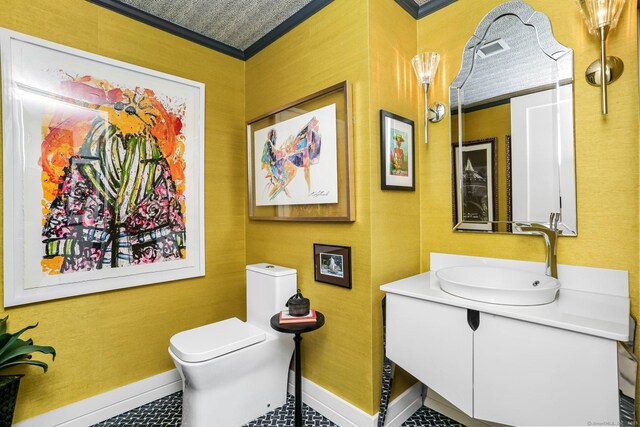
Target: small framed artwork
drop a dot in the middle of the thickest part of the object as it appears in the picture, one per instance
(475, 206)
(397, 158)
(300, 166)
(332, 264)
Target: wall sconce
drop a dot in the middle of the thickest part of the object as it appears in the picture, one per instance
(601, 16)
(425, 65)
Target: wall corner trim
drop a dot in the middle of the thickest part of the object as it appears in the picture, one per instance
(120, 400)
(109, 404)
(343, 413)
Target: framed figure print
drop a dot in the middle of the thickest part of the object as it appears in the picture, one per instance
(103, 173)
(332, 264)
(474, 184)
(397, 158)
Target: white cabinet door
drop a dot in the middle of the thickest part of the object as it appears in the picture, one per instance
(528, 374)
(433, 342)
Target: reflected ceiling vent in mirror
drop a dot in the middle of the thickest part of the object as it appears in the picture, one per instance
(493, 48)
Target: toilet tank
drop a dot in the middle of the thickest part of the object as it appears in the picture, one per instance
(268, 289)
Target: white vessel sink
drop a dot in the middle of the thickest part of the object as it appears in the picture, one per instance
(498, 285)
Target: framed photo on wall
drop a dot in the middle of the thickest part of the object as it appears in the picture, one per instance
(300, 165)
(332, 264)
(476, 205)
(103, 173)
(397, 157)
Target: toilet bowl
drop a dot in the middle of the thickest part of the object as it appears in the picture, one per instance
(234, 371)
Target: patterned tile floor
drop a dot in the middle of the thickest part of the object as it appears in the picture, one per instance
(168, 410)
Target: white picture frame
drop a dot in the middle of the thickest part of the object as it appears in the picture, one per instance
(103, 171)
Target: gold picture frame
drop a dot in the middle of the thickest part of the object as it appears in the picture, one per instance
(275, 160)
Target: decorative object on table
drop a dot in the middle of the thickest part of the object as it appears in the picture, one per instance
(300, 160)
(397, 156)
(287, 317)
(600, 17)
(332, 264)
(425, 66)
(475, 171)
(298, 305)
(103, 173)
(15, 352)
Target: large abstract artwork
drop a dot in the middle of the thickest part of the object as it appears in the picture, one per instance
(102, 173)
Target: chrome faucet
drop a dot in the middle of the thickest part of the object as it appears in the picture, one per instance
(550, 235)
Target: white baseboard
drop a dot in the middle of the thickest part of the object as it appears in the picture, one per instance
(344, 414)
(106, 405)
(115, 402)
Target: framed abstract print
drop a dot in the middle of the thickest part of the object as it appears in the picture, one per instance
(300, 166)
(397, 158)
(103, 173)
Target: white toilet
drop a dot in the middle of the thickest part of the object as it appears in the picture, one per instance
(234, 371)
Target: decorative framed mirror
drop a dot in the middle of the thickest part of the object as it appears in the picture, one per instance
(515, 84)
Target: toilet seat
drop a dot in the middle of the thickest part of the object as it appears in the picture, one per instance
(214, 340)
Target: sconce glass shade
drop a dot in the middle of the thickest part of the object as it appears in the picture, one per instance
(425, 65)
(600, 14)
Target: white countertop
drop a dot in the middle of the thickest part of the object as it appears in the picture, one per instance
(599, 314)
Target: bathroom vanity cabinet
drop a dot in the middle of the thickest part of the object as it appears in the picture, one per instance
(554, 364)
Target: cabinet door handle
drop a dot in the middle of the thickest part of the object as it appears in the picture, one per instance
(473, 318)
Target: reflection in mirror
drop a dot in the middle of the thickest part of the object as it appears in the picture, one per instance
(512, 125)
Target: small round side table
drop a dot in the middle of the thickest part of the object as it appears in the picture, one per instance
(297, 329)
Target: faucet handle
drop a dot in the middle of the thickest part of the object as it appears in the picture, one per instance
(554, 218)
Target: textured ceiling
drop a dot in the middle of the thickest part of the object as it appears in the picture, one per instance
(239, 28)
(237, 23)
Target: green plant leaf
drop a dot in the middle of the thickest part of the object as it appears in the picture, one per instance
(24, 350)
(4, 338)
(14, 337)
(3, 325)
(43, 365)
(15, 351)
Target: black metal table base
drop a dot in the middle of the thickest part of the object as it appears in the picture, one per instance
(298, 363)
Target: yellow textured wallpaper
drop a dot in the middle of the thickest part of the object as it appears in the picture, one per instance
(395, 215)
(494, 122)
(331, 46)
(111, 339)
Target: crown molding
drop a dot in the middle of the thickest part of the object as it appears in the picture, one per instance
(290, 23)
(425, 9)
(162, 24)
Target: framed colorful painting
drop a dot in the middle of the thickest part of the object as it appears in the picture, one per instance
(397, 158)
(103, 173)
(300, 166)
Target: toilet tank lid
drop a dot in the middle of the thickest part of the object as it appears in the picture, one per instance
(214, 340)
(271, 269)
